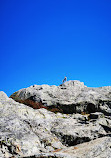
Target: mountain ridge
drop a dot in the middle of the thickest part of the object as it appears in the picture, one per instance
(78, 128)
(65, 98)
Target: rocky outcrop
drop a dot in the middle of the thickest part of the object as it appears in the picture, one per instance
(40, 133)
(70, 97)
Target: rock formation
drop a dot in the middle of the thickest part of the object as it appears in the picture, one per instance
(78, 127)
(70, 97)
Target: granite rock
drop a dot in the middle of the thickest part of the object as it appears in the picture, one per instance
(70, 97)
(29, 132)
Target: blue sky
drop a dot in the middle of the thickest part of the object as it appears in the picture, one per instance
(41, 41)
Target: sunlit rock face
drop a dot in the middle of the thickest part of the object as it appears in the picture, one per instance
(81, 128)
(69, 97)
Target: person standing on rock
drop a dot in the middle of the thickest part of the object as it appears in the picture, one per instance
(64, 80)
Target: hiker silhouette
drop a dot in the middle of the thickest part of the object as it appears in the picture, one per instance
(64, 80)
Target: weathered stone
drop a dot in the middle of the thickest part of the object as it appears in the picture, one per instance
(28, 132)
(70, 97)
(98, 148)
(96, 115)
(25, 128)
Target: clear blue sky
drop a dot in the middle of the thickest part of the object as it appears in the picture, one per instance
(41, 41)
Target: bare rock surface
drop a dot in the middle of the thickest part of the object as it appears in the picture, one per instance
(39, 133)
(69, 97)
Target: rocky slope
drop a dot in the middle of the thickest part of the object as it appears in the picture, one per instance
(70, 97)
(40, 133)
